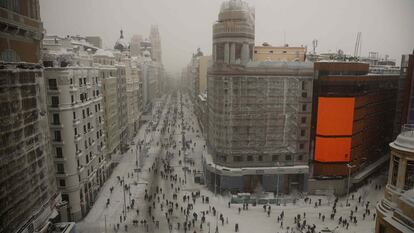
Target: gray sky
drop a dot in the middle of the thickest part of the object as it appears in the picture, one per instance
(387, 26)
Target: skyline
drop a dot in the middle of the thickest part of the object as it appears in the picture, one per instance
(385, 30)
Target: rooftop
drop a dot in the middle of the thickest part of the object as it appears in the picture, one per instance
(405, 140)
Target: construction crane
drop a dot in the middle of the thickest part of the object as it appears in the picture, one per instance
(358, 44)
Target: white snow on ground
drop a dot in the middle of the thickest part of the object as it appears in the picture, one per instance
(252, 220)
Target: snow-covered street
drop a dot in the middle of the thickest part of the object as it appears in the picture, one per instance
(165, 198)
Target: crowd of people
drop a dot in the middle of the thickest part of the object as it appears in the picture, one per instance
(171, 203)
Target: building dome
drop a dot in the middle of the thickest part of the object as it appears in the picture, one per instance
(405, 140)
(121, 44)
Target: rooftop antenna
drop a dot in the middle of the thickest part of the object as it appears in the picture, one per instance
(357, 49)
(314, 45)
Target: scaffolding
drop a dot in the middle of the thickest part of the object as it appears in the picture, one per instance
(24, 179)
(258, 118)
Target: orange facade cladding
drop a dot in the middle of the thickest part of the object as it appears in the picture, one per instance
(332, 149)
(335, 116)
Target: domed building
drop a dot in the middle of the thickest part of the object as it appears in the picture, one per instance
(396, 210)
(121, 44)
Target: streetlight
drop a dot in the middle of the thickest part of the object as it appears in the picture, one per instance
(215, 179)
(277, 185)
(349, 180)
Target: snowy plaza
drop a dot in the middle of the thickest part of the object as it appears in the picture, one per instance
(159, 191)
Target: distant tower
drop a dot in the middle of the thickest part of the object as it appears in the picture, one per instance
(135, 45)
(156, 43)
(233, 34)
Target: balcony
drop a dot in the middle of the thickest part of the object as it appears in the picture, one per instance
(59, 159)
(77, 137)
(73, 88)
(78, 152)
(76, 121)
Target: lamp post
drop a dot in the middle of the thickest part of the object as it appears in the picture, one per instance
(277, 185)
(215, 179)
(349, 180)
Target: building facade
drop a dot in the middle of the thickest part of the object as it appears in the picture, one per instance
(258, 112)
(267, 52)
(122, 107)
(76, 122)
(396, 210)
(352, 120)
(105, 61)
(28, 194)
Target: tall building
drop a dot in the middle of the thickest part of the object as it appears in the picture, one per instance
(28, 194)
(352, 123)
(135, 45)
(258, 112)
(122, 107)
(407, 71)
(105, 61)
(395, 211)
(266, 52)
(155, 39)
(75, 110)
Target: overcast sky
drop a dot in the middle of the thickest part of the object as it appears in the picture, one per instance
(387, 26)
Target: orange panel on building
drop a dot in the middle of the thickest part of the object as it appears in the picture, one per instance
(335, 116)
(332, 149)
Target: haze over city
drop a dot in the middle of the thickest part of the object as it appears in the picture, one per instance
(192, 116)
(184, 25)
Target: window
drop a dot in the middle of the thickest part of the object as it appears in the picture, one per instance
(409, 176)
(87, 112)
(74, 115)
(59, 153)
(62, 182)
(72, 98)
(75, 130)
(65, 197)
(57, 136)
(60, 168)
(395, 165)
(304, 107)
(71, 81)
(83, 113)
(260, 158)
(89, 125)
(53, 84)
(84, 129)
(84, 80)
(303, 85)
(275, 157)
(300, 157)
(55, 101)
(80, 82)
(304, 94)
(303, 120)
(249, 158)
(237, 158)
(302, 132)
(56, 119)
(288, 157)
(301, 146)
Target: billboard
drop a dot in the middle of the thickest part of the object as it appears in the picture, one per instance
(335, 116)
(333, 149)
